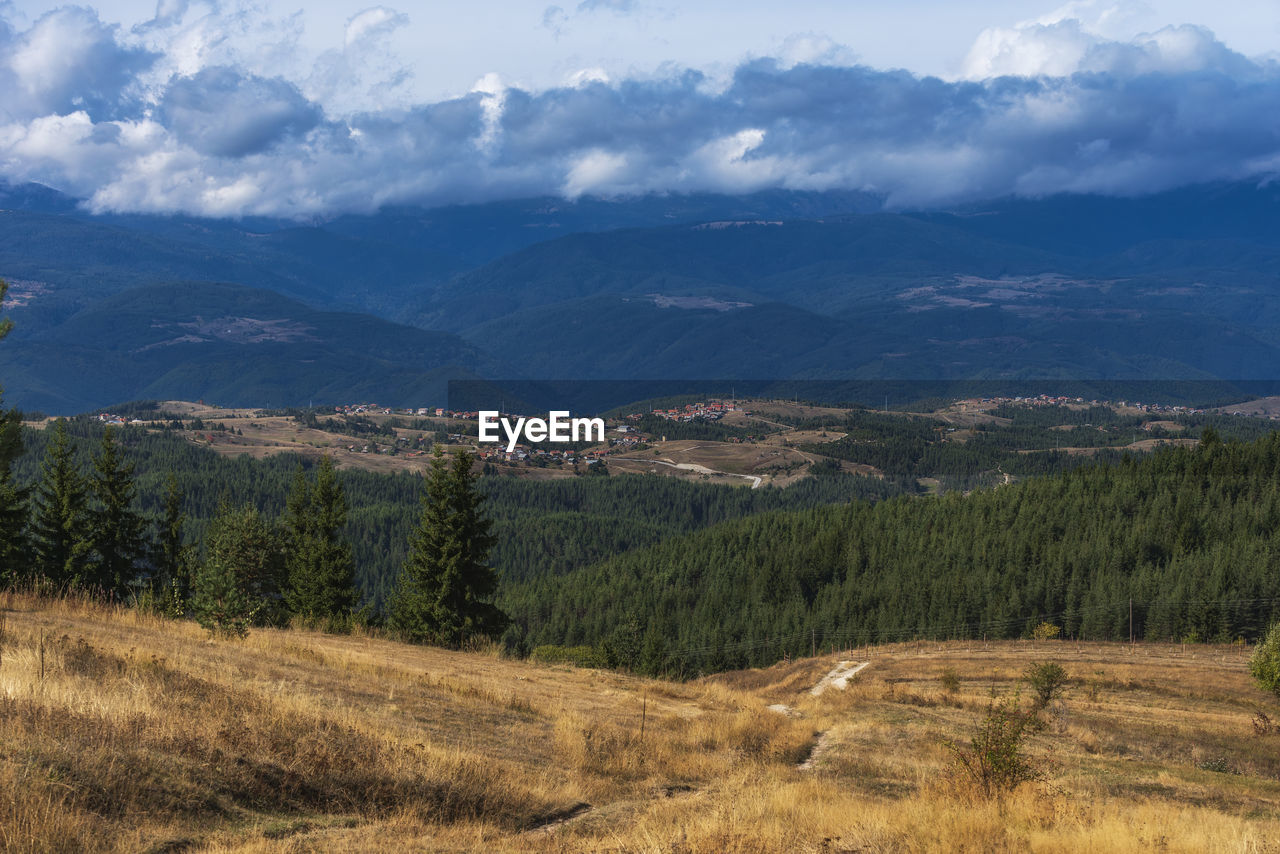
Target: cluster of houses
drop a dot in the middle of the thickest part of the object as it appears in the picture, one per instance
(552, 456)
(115, 420)
(1061, 400)
(420, 411)
(628, 439)
(712, 411)
(362, 409)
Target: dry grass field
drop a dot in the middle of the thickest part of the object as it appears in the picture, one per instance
(127, 732)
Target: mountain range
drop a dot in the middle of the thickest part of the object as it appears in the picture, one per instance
(772, 285)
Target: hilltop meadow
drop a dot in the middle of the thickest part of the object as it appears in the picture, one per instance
(123, 731)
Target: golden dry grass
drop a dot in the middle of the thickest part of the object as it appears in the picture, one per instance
(144, 735)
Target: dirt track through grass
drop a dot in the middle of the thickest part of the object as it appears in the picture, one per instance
(146, 735)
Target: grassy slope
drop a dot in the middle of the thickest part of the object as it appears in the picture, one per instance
(144, 735)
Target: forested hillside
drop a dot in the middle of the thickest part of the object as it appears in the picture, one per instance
(222, 342)
(1191, 537)
(542, 527)
(676, 576)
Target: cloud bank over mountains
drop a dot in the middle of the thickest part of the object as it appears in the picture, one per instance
(217, 113)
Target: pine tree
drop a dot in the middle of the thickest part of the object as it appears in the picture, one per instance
(173, 556)
(13, 498)
(14, 548)
(218, 600)
(119, 531)
(242, 542)
(60, 528)
(320, 563)
(442, 594)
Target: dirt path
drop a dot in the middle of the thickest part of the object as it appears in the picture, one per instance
(838, 677)
(820, 747)
(562, 817)
(755, 480)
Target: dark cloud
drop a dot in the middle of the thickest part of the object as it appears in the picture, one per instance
(1168, 109)
(223, 113)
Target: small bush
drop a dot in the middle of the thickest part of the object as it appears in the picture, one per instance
(1048, 679)
(950, 680)
(1218, 765)
(1045, 631)
(1265, 664)
(995, 761)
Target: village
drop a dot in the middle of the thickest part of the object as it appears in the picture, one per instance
(722, 440)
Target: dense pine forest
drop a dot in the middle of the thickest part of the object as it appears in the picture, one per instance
(676, 577)
(1191, 537)
(542, 527)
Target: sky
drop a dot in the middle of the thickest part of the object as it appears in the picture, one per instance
(228, 108)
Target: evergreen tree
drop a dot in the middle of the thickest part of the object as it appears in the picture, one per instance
(320, 564)
(173, 556)
(218, 600)
(297, 514)
(445, 584)
(14, 548)
(244, 544)
(118, 530)
(13, 498)
(60, 526)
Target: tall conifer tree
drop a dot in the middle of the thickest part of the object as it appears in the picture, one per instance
(173, 555)
(60, 526)
(14, 549)
(443, 591)
(119, 531)
(321, 567)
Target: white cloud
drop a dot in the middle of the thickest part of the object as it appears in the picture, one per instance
(620, 7)
(813, 49)
(68, 60)
(372, 23)
(1053, 50)
(599, 172)
(215, 114)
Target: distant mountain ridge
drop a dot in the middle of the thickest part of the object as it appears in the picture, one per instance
(774, 284)
(231, 345)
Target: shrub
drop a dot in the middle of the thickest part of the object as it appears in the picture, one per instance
(1048, 679)
(1045, 631)
(1265, 664)
(995, 761)
(950, 680)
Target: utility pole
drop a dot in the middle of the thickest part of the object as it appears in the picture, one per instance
(1130, 621)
